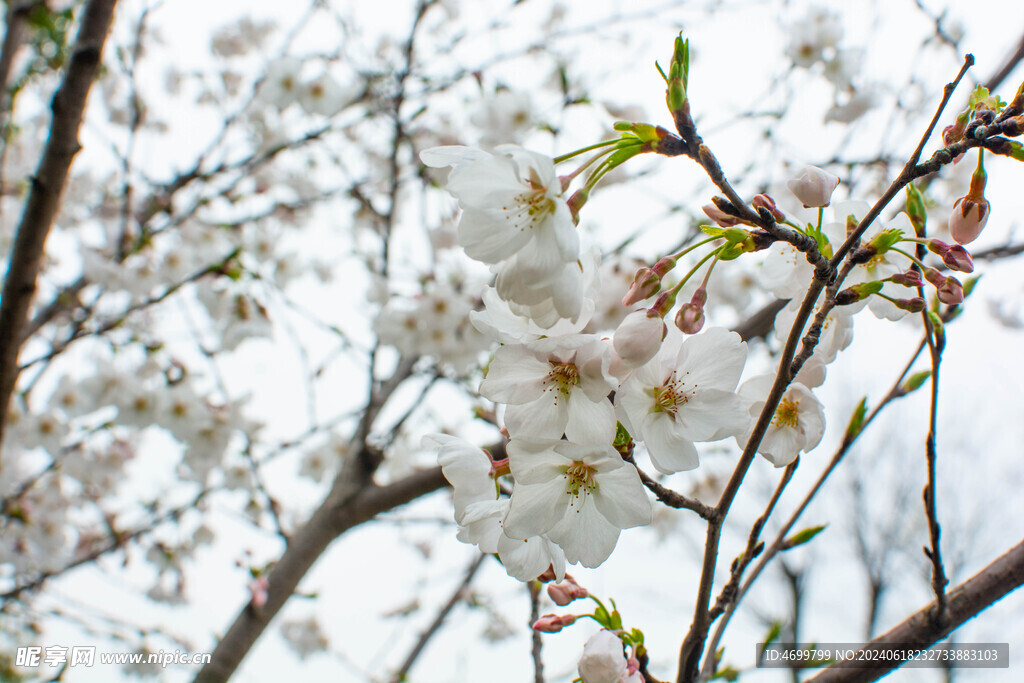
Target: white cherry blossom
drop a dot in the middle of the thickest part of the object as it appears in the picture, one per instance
(580, 495)
(511, 200)
(552, 387)
(796, 427)
(684, 395)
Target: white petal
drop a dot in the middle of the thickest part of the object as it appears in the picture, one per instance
(528, 559)
(451, 155)
(669, 450)
(622, 498)
(535, 508)
(585, 535)
(590, 422)
(713, 415)
(515, 376)
(544, 418)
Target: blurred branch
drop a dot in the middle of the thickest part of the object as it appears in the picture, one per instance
(343, 509)
(47, 187)
(920, 630)
(457, 596)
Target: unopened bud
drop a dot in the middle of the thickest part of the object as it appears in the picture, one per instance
(813, 186)
(858, 292)
(913, 305)
(638, 337)
(720, 217)
(763, 201)
(955, 133)
(553, 623)
(646, 283)
(970, 212)
(690, 318)
(576, 202)
(947, 289)
(910, 278)
(954, 256)
(567, 591)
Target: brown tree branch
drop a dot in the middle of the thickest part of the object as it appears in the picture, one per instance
(346, 506)
(920, 630)
(47, 186)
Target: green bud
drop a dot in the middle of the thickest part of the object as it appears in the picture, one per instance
(857, 419)
(736, 235)
(622, 437)
(728, 252)
(915, 381)
(801, 537)
(678, 74)
(884, 240)
(916, 209)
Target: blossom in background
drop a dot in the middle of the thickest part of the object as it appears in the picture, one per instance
(504, 117)
(796, 427)
(323, 95)
(305, 637)
(836, 330)
(580, 495)
(685, 394)
(280, 86)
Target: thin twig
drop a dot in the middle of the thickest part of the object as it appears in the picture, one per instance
(458, 595)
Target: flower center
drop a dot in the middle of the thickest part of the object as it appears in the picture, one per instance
(671, 395)
(787, 413)
(562, 378)
(531, 207)
(579, 479)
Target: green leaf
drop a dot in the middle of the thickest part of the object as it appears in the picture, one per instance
(772, 635)
(801, 537)
(727, 674)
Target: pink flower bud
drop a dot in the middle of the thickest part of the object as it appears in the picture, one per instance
(968, 219)
(638, 337)
(553, 623)
(646, 284)
(951, 292)
(970, 212)
(690, 319)
(910, 278)
(947, 289)
(567, 591)
(813, 186)
(955, 257)
(720, 217)
(549, 573)
(913, 305)
(764, 201)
